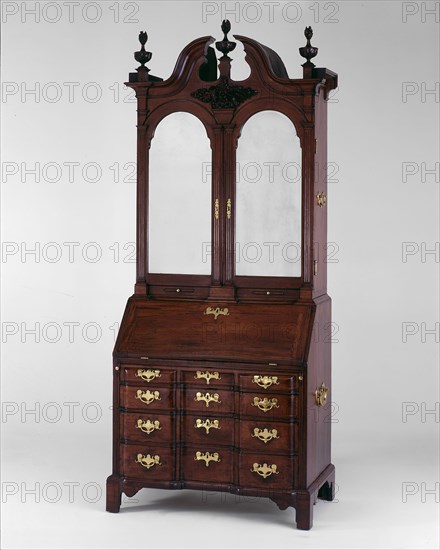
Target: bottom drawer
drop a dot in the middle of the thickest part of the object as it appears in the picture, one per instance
(212, 465)
(147, 462)
(267, 471)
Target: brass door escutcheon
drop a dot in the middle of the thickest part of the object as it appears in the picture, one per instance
(265, 381)
(264, 470)
(207, 457)
(321, 395)
(207, 398)
(148, 461)
(207, 424)
(265, 435)
(148, 397)
(148, 374)
(265, 404)
(148, 426)
(207, 375)
(216, 311)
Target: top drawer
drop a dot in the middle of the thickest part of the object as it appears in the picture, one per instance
(139, 375)
(268, 382)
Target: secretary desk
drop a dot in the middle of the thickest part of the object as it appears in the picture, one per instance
(222, 365)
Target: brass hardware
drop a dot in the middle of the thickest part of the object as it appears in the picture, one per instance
(116, 368)
(321, 395)
(264, 470)
(216, 209)
(177, 289)
(148, 426)
(148, 375)
(144, 357)
(268, 293)
(207, 457)
(148, 461)
(265, 404)
(265, 435)
(207, 375)
(321, 199)
(207, 424)
(265, 381)
(148, 397)
(207, 398)
(216, 311)
(229, 209)
(300, 377)
(315, 267)
(272, 364)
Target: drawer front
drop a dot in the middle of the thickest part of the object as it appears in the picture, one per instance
(147, 428)
(147, 462)
(146, 397)
(209, 464)
(210, 401)
(208, 430)
(267, 382)
(208, 377)
(268, 437)
(267, 471)
(268, 406)
(141, 375)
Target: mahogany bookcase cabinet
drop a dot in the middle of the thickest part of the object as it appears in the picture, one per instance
(222, 366)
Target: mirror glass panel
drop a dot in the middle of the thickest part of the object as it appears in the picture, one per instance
(268, 198)
(179, 215)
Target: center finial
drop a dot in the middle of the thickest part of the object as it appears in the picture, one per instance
(225, 46)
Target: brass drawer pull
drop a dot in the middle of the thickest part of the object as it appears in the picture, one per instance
(265, 381)
(216, 311)
(265, 404)
(264, 470)
(148, 375)
(207, 424)
(207, 457)
(148, 461)
(207, 398)
(148, 397)
(321, 395)
(148, 426)
(265, 435)
(207, 375)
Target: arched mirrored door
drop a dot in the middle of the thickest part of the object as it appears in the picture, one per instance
(268, 198)
(179, 210)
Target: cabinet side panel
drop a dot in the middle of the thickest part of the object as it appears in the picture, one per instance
(320, 247)
(319, 372)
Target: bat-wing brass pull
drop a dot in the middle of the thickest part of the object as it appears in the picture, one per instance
(148, 426)
(265, 435)
(264, 470)
(207, 375)
(207, 397)
(148, 461)
(207, 424)
(265, 404)
(207, 457)
(148, 396)
(265, 381)
(148, 375)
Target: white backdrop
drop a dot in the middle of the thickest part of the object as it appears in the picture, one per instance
(68, 227)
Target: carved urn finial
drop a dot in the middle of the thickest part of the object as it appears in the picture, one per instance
(308, 51)
(225, 46)
(143, 56)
